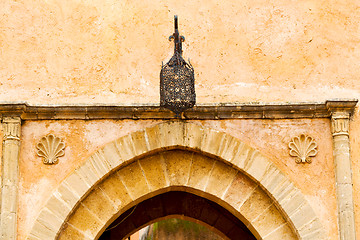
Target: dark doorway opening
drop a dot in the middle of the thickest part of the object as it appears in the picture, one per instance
(182, 204)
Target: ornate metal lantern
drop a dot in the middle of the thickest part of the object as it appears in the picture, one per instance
(177, 81)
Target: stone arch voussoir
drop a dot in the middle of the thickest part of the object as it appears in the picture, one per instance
(171, 135)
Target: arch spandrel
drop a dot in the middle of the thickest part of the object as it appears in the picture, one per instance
(122, 152)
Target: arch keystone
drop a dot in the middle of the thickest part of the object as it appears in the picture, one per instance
(193, 135)
(171, 133)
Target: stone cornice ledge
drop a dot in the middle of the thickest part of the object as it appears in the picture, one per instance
(201, 111)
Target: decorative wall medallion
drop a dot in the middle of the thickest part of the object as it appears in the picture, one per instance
(303, 147)
(50, 148)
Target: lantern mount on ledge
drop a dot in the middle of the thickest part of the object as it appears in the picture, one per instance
(177, 81)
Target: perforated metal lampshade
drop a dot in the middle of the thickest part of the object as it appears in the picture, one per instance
(177, 80)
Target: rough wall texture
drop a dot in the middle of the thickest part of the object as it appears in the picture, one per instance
(80, 51)
(243, 51)
(316, 181)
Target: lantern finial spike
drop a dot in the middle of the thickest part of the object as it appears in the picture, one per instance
(176, 37)
(176, 22)
(177, 80)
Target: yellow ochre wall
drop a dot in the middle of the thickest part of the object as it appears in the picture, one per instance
(60, 52)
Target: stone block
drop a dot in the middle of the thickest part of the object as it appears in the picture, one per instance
(89, 165)
(269, 220)
(154, 169)
(153, 137)
(347, 224)
(42, 232)
(212, 141)
(125, 148)
(343, 167)
(134, 180)
(256, 166)
(100, 205)
(313, 228)
(223, 174)
(99, 164)
(171, 134)
(193, 135)
(272, 179)
(58, 207)
(178, 165)
(9, 196)
(292, 201)
(32, 237)
(235, 157)
(229, 149)
(115, 190)
(318, 235)
(8, 225)
(284, 190)
(284, 232)
(345, 197)
(85, 221)
(140, 142)
(303, 216)
(257, 203)
(200, 171)
(50, 220)
(112, 155)
(87, 174)
(77, 184)
(243, 156)
(69, 232)
(239, 191)
(66, 194)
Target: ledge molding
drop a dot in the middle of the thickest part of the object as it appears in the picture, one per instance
(213, 111)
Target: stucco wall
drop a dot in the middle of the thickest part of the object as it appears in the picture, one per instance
(95, 51)
(242, 51)
(316, 180)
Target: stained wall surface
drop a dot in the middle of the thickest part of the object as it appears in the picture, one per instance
(316, 180)
(111, 51)
(82, 51)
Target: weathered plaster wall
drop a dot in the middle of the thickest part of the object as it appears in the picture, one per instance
(243, 51)
(38, 180)
(95, 51)
(82, 138)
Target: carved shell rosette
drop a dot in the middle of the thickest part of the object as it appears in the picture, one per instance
(50, 148)
(303, 147)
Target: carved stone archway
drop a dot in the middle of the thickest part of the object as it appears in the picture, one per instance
(183, 205)
(122, 155)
